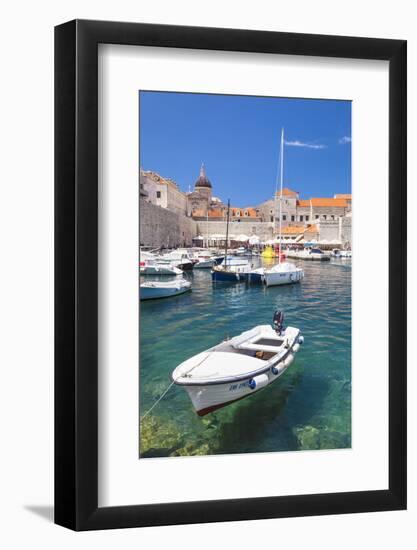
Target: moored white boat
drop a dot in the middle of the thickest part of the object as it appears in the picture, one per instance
(239, 367)
(314, 254)
(156, 289)
(283, 274)
(341, 254)
(150, 267)
(179, 257)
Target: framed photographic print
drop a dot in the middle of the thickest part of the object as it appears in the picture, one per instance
(230, 275)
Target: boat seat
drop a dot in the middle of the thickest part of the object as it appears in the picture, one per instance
(258, 347)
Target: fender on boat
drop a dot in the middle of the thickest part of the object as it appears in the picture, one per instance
(258, 382)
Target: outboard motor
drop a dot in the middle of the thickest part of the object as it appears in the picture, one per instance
(278, 322)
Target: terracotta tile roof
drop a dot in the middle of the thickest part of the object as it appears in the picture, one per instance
(311, 229)
(215, 213)
(292, 230)
(341, 203)
(286, 192)
(344, 196)
(251, 212)
(198, 214)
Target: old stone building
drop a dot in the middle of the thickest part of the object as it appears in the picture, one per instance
(316, 218)
(199, 201)
(296, 211)
(162, 192)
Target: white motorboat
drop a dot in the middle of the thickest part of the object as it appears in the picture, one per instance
(151, 267)
(314, 254)
(204, 263)
(283, 274)
(341, 254)
(179, 257)
(242, 251)
(204, 259)
(239, 367)
(156, 289)
(280, 274)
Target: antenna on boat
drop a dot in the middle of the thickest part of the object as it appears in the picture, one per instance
(227, 233)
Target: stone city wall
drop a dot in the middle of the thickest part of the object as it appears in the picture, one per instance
(161, 227)
(346, 231)
(339, 230)
(263, 230)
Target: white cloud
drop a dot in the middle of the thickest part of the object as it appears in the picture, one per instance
(297, 143)
(345, 139)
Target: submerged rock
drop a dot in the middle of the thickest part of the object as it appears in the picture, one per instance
(192, 450)
(158, 437)
(312, 438)
(308, 437)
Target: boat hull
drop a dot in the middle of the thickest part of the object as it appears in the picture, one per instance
(311, 257)
(256, 278)
(209, 398)
(147, 293)
(283, 278)
(159, 270)
(228, 277)
(204, 264)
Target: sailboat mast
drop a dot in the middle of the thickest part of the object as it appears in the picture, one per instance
(227, 233)
(280, 194)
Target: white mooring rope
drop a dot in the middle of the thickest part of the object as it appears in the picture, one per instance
(170, 386)
(158, 400)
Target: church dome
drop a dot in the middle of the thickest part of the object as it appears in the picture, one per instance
(203, 180)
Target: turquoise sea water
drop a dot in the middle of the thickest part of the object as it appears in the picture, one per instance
(308, 407)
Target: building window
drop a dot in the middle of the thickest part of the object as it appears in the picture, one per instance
(301, 218)
(237, 212)
(284, 217)
(270, 212)
(324, 217)
(158, 194)
(246, 213)
(292, 218)
(332, 217)
(317, 216)
(307, 218)
(272, 218)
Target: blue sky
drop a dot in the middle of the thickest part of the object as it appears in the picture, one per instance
(238, 138)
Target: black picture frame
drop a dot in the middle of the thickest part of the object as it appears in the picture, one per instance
(76, 272)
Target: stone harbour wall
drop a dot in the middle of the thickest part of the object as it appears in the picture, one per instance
(161, 227)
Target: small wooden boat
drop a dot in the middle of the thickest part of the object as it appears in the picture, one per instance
(239, 367)
(155, 289)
